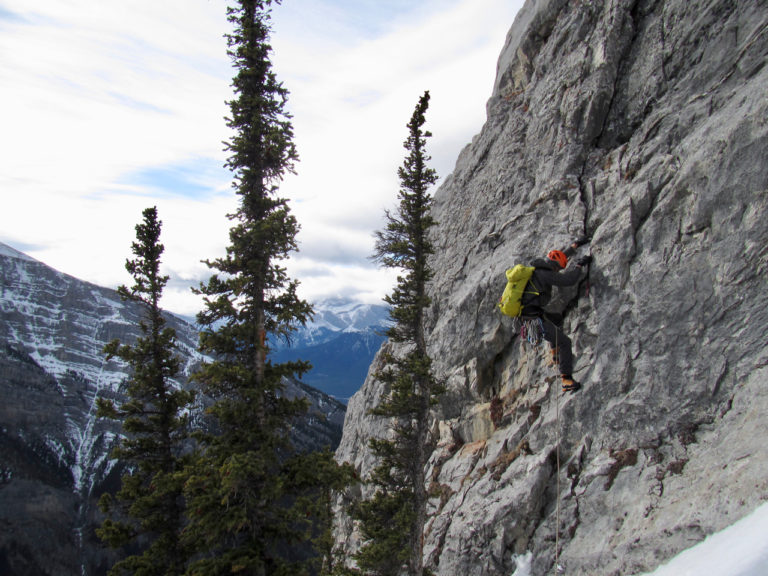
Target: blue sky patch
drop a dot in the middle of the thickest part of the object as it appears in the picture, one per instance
(139, 104)
(7, 15)
(199, 179)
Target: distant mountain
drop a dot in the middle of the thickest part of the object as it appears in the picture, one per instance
(337, 316)
(54, 452)
(340, 343)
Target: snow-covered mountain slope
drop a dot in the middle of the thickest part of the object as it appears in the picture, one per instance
(53, 448)
(341, 315)
(61, 324)
(54, 451)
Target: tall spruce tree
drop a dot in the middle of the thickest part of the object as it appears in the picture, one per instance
(247, 479)
(393, 519)
(147, 512)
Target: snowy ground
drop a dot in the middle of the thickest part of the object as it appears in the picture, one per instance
(739, 550)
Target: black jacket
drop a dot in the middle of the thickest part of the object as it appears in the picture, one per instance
(546, 275)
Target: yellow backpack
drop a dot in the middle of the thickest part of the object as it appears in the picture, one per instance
(517, 280)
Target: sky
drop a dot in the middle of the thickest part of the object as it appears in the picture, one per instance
(111, 107)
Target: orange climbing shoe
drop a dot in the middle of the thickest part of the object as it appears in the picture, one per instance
(569, 384)
(555, 356)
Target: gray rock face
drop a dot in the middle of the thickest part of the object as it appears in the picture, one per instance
(642, 123)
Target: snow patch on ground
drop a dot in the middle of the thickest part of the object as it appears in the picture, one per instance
(523, 563)
(739, 550)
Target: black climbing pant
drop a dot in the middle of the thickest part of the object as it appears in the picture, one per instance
(553, 333)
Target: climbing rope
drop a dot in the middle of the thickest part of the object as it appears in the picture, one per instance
(532, 331)
(557, 458)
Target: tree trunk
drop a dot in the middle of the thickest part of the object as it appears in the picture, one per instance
(419, 487)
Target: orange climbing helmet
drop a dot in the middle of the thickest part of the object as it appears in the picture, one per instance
(559, 257)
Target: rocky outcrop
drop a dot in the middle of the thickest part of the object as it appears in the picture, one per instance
(641, 123)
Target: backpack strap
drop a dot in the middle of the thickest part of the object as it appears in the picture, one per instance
(536, 310)
(535, 290)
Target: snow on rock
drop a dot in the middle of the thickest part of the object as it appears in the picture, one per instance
(54, 450)
(739, 550)
(523, 563)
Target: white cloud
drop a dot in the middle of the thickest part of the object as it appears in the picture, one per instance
(94, 94)
(110, 107)
(93, 91)
(355, 100)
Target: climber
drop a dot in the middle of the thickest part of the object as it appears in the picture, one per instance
(546, 275)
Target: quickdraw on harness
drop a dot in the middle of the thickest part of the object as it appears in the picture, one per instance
(531, 330)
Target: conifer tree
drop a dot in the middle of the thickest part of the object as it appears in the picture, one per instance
(393, 520)
(244, 486)
(147, 511)
(319, 479)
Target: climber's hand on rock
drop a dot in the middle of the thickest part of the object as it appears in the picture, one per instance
(580, 241)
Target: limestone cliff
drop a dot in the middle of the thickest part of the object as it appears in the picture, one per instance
(644, 124)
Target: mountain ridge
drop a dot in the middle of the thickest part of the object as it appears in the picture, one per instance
(53, 448)
(334, 316)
